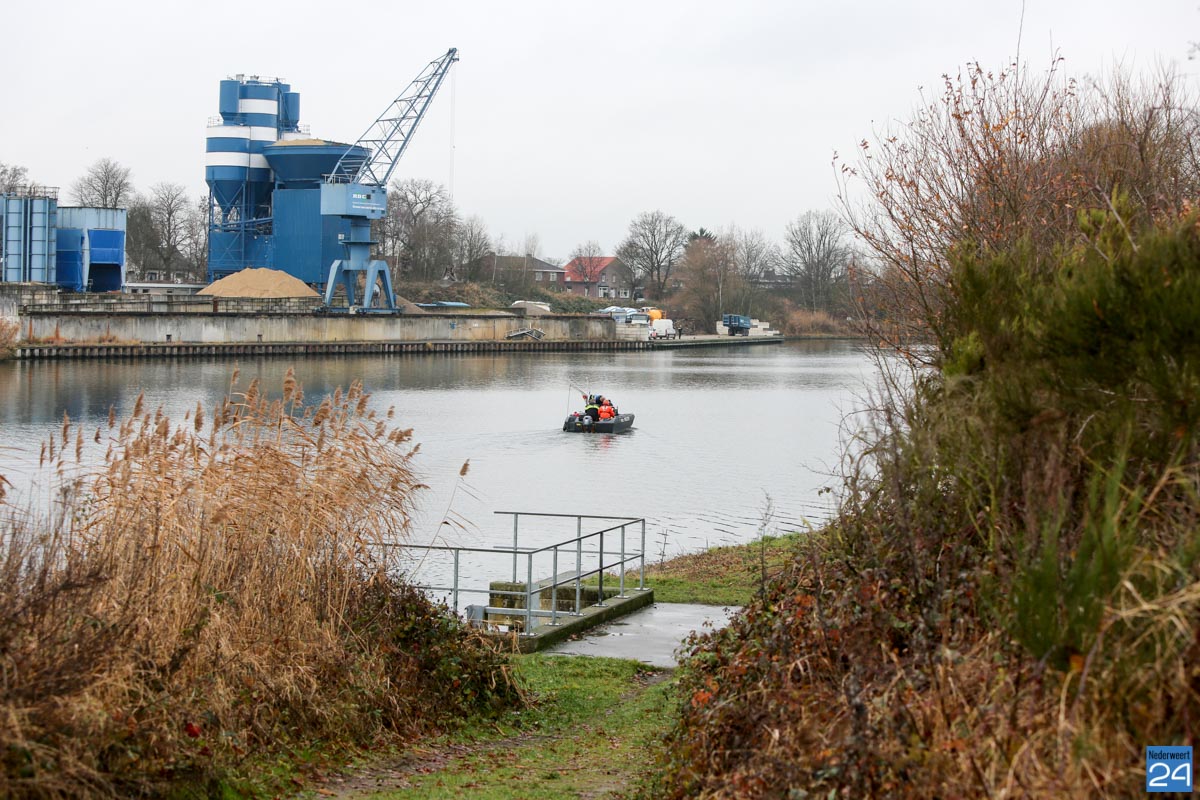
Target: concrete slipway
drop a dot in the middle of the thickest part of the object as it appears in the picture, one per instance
(650, 635)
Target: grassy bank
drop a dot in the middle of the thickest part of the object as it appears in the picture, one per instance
(722, 576)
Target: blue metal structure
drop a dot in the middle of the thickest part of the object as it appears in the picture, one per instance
(28, 236)
(355, 191)
(305, 243)
(80, 249)
(91, 249)
(254, 113)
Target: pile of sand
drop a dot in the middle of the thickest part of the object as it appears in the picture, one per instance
(259, 283)
(408, 306)
(299, 142)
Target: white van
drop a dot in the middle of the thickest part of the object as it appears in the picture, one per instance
(662, 329)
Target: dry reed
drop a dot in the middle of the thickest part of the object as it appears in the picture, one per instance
(216, 588)
(10, 331)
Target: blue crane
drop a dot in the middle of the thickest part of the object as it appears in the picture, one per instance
(356, 189)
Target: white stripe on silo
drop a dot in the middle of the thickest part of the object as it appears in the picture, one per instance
(258, 106)
(258, 161)
(229, 131)
(228, 159)
(261, 133)
(291, 136)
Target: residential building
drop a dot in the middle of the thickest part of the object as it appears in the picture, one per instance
(600, 277)
(519, 270)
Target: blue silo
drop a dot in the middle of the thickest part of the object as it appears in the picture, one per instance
(254, 112)
(28, 236)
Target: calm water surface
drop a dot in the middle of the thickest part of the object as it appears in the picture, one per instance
(718, 430)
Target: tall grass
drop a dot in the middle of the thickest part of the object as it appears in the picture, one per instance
(1008, 604)
(215, 589)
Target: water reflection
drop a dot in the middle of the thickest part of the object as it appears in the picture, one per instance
(718, 431)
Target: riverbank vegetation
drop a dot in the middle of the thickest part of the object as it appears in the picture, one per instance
(10, 330)
(219, 589)
(483, 295)
(722, 576)
(1008, 602)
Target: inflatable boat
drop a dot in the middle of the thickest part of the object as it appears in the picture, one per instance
(582, 423)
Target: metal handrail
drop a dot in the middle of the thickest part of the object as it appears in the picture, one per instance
(574, 544)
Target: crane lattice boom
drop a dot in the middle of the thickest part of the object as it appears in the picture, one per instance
(388, 137)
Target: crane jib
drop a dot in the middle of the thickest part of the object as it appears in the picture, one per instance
(387, 138)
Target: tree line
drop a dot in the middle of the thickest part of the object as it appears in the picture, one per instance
(699, 273)
(424, 237)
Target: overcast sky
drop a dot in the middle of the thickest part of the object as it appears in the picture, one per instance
(562, 119)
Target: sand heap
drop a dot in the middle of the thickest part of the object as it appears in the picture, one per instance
(408, 306)
(259, 283)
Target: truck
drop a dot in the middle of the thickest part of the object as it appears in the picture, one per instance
(736, 324)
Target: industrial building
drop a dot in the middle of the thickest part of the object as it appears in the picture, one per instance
(278, 198)
(281, 199)
(264, 173)
(76, 248)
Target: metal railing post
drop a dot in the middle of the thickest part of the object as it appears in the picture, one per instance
(515, 518)
(554, 590)
(622, 592)
(578, 567)
(600, 599)
(642, 572)
(529, 593)
(455, 606)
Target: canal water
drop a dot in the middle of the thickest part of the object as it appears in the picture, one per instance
(728, 443)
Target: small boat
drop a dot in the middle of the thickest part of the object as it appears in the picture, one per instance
(582, 423)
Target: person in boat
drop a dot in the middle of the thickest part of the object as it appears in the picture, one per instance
(592, 409)
(607, 411)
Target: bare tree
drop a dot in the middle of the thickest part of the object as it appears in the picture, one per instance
(12, 177)
(753, 254)
(106, 184)
(651, 249)
(170, 212)
(589, 261)
(417, 235)
(1003, 156)
(471, 246)
(195, 240)
(818, 257)
(531, 245)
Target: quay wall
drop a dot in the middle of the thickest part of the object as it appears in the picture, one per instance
(224, 328)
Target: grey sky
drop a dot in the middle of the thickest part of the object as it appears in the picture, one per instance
(568, 118)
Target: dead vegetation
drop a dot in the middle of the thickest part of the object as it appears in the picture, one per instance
(10, 333)
(216, 590)
(1008, 602)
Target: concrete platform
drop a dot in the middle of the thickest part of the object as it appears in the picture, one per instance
(650, 635)
(545, 635)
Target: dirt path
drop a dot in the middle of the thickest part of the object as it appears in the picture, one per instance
(589, 736)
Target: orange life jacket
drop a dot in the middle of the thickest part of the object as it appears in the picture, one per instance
(607, 412)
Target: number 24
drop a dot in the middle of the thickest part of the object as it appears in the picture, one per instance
(1182, 773)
